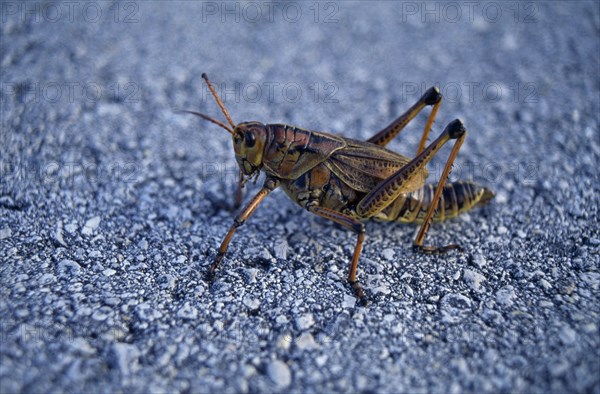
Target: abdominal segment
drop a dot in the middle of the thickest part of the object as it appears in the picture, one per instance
(456, 198)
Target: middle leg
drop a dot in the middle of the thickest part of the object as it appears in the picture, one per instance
(239, 192)
(356, 226)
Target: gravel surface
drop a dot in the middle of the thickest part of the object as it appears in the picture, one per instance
(112, 206)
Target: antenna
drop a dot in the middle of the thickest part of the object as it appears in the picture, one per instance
(219, 102)
(203, 116)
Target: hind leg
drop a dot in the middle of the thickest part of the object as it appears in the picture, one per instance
(431, 97)
(418, 244)
(390, 189)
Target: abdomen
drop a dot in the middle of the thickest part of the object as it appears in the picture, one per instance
(457, 198)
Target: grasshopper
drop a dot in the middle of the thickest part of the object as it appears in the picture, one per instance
(349, 181)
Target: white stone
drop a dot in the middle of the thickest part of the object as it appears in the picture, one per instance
(306, 341)
(388, 254)
(305, 321)
(251, 302)
(109, 272)
(91, 225)
(279, 373)
(506, 295)
(473, 279)
(5, 233)
(349, 301)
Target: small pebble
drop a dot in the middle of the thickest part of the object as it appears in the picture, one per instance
(279, 373)
(251, 274)
(71, 228)
(68, 267)
(305, 321)
(58, 234)
(5, 233)
(349, 301)
(82, 346)
(506, 295)
(388, 254)
(251, 302)
(99, 315)
(321, 360)
(567, 335)
(473, 279)
(455, 307)
(479, 261)
(281, 319)
(109, 272)
(125, 357)
(306, 341)
(187, 311)
(91, 225)
(281, 249)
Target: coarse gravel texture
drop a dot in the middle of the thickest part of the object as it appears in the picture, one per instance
(112, 206)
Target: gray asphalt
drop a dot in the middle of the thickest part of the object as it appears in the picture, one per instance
(112, 206)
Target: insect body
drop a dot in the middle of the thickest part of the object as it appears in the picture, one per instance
(349, 181)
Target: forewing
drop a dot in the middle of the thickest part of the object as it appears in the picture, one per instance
(362, 166)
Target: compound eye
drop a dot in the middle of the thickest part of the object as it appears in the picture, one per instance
(249, 139)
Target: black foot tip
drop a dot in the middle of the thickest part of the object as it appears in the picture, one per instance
(359, 293)
(423, 249)
(450, 247)
(211, 273)
(436, 249)
(210, 276)
(456, 129)
(432, 96)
